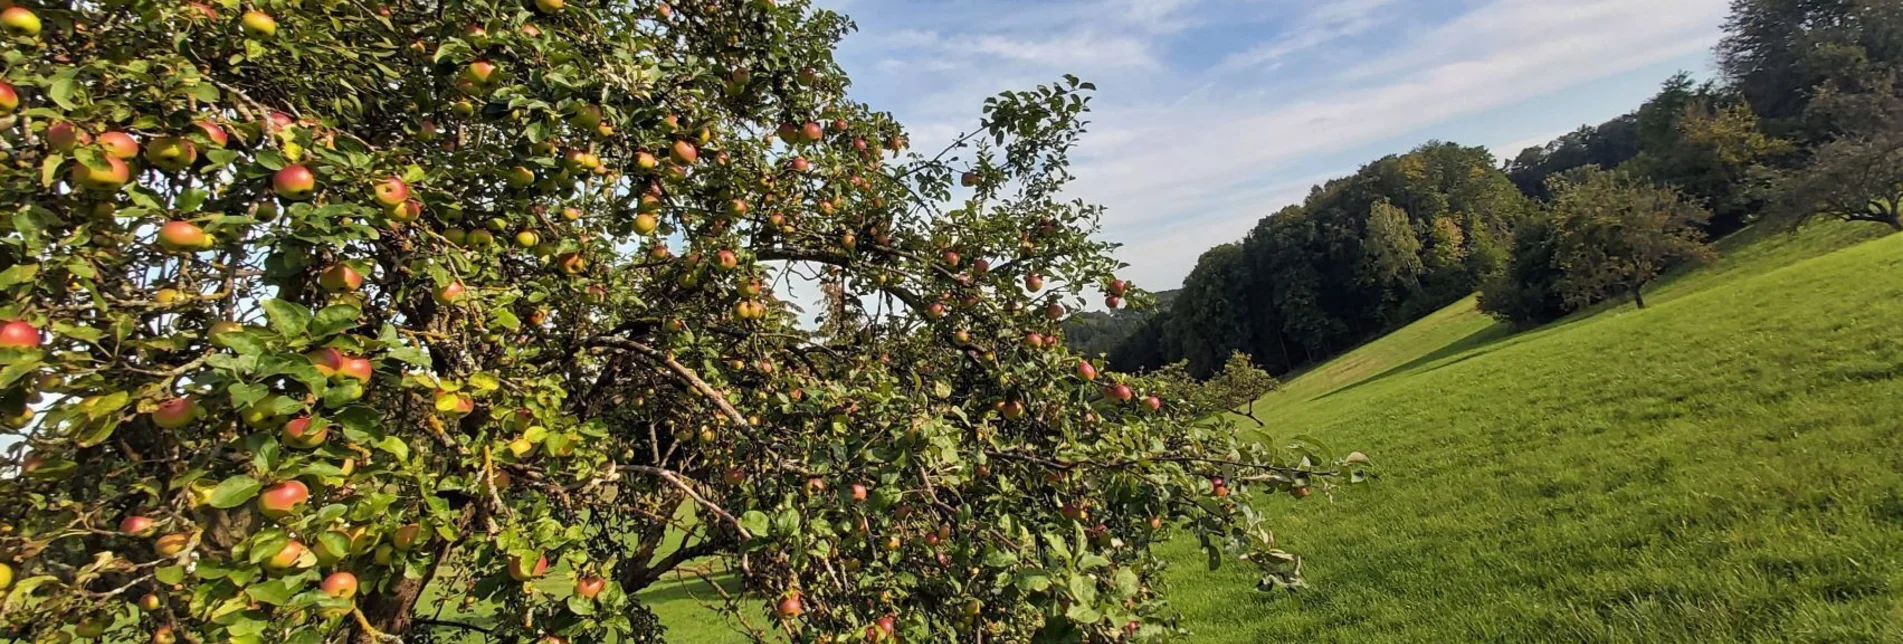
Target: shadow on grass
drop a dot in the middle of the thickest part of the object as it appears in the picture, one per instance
(1473, 341)
(692, 588)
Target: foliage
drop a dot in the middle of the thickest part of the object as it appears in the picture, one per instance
(1095, 333)
(1781, 55)
(1238, 385)
(470, 298)
(1854, 178)
(1617, 233)
(1527, 293)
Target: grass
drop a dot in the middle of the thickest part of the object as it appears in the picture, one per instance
(1724, 465)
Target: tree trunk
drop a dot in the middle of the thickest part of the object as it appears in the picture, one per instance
(1638, 297)
(392, 613)
(1895, 222)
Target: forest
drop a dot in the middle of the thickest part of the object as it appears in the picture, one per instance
(1805, 120)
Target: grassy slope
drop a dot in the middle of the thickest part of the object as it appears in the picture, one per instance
(1724, 465)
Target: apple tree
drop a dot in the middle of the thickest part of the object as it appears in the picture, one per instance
(322, 317)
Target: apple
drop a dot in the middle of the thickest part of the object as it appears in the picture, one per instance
(391, 192)
(150, 603)
(589, 587)
(20, 22)
(1118, 287)
(968, 179)
(800, 164)
(340, 278)
(9, 98)
(408, 536)
(549, 6)
(171, 154)
(294, 182)
(341, 585)
(480, 72)
(586, 116)
(116, 175)
(1033, 282)
(283, 498)
(1299, 492)
(951, 258)
(812, 132)
(1218, 487)
(726, 259)
(258, 25)
(92, 626)
(886, 625)
(684, 152)
(19, 334)
(358, 368)
(790, 606)
(175, 413)
(327, 360)
(859, 492)
(1014, 409)
(213, 134)
(409, 210)
(172, 544)
(286, 556)
(523, 570)
(451, 293)
(299, 433)
(137, 526)
(1112, 302)
(64, 136)
(119, 145)
(572, 263)
(1086, 371)
(164, 635)
(1054, 311)
(1119, 393)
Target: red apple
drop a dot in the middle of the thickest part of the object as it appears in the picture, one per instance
(19, 334)
(1119, 393)
(1014, 409)
(116, 175)
(968, 179)
(171, 153)
(684, 153)
(409, 210)
(64, 136)
(408, 536)
(391, 192)
(481, 72)
(790, 606)
(283, 498)
(358, 368)
(340, 278)
(859, 492)
(137, 526)
(341, 585)
(286, 556)
(1112, 302)
(175, 413)
(951, 258)
(299, 433)
(1118, 287)
(589, 587)
(9, 98)
(726, 259)
(812, 131)
(327, 360)
(1153, 403)
(1086, 371)
(1033, 282)
(183, 237)
(1054, 311)
(119, 145)
(295, 182)
(524, 571)
(213, 134)
(451, 293)
(572, 263)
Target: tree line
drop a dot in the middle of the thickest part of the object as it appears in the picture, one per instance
(1805, 120)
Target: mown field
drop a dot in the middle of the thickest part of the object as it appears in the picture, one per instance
(1724, 465)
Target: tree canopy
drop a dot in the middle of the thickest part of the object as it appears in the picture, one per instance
(314, 311)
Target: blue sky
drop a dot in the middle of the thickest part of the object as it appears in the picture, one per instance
(1211, 114)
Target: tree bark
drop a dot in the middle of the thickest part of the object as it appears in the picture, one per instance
(393, 613)
(1638, 297)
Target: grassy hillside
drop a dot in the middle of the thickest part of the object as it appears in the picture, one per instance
(1725, 465)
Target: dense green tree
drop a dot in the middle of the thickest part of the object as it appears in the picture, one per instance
(1783, 54)
(1616, 233)
(1854, 178)
(1527, 293)
(1238, 384)
(320, 317)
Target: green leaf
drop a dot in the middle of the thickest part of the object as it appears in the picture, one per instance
(334, 319)
(191, 200)
(234, 491)
(96, 431)
(243, 395)
(755, 522)
(18, 274)
(1033, 581)
(275, 592)
(1082, 614)
(169, 574)
(289, 318)
(396, 447)
(63, 90)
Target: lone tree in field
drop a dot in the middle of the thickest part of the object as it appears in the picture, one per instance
(1857, 177)
(1236, 387)
(314, 311)
(1616, 233)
